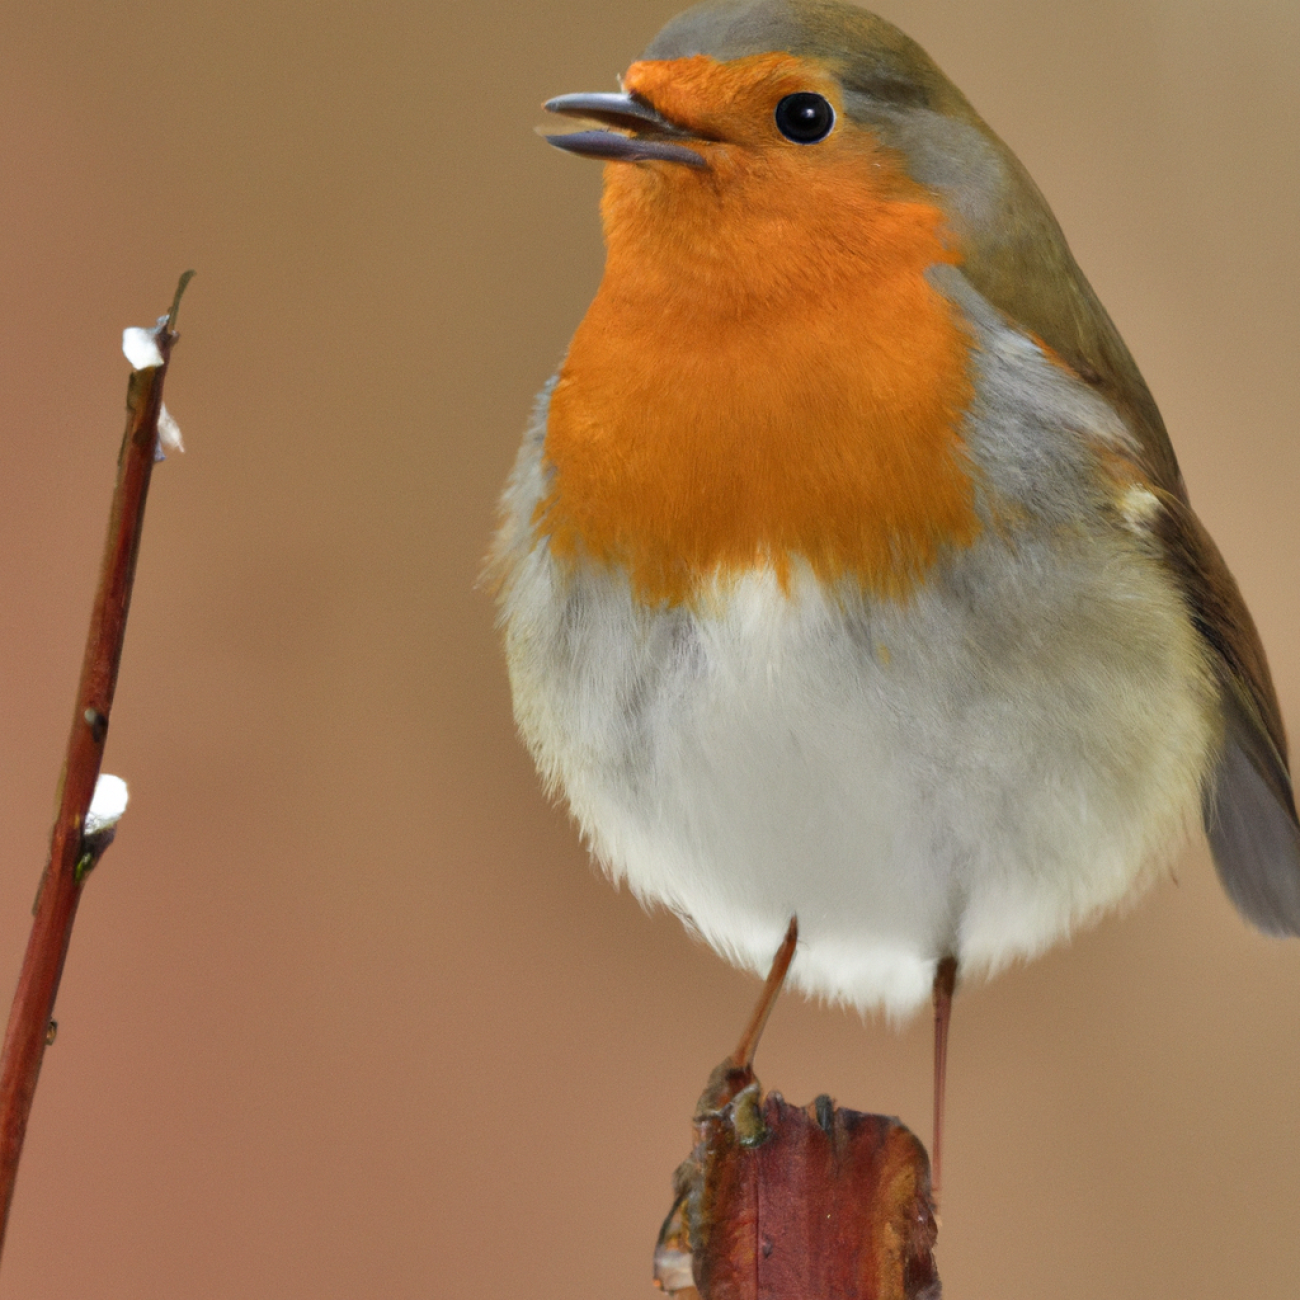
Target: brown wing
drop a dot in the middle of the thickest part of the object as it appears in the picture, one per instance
(1023, 265)
(1249, 810)
(1248, 807)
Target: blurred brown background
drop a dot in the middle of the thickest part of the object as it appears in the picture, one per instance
(347, 1012)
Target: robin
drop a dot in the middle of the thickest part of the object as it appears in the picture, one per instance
(846, 570)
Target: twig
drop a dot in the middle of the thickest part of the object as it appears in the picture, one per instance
(73, 853)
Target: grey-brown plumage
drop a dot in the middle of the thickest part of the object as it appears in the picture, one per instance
(1016, 257)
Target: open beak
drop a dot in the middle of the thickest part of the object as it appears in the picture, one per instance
(653, 136)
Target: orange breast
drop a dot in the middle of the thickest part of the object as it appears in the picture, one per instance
(765, 373)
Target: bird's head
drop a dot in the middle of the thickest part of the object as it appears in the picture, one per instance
(784, 129)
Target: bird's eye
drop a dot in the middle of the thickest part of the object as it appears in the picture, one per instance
(804, 118)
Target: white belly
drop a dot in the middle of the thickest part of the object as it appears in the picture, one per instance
(975, 771)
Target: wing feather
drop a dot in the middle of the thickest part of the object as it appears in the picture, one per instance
(1249, 807)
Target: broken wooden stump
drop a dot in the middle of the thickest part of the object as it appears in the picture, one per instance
(779, 1202)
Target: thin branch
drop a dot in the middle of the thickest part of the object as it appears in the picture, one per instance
(72, 852)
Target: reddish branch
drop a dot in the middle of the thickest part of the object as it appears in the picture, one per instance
(72, 852)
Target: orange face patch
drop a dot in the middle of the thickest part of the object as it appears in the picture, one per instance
(765, 372)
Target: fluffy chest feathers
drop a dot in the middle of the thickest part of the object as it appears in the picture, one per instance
(975, 768)
(765, 376)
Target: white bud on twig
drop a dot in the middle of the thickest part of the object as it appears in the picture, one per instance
(107, 804)
(169, 432)
(141, 345)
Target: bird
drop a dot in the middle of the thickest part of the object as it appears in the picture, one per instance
(846, 570)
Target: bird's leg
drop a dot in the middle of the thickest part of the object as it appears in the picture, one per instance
(945, 982)
(743, 1056)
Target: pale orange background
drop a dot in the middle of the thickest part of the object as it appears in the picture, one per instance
(347, 1012)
